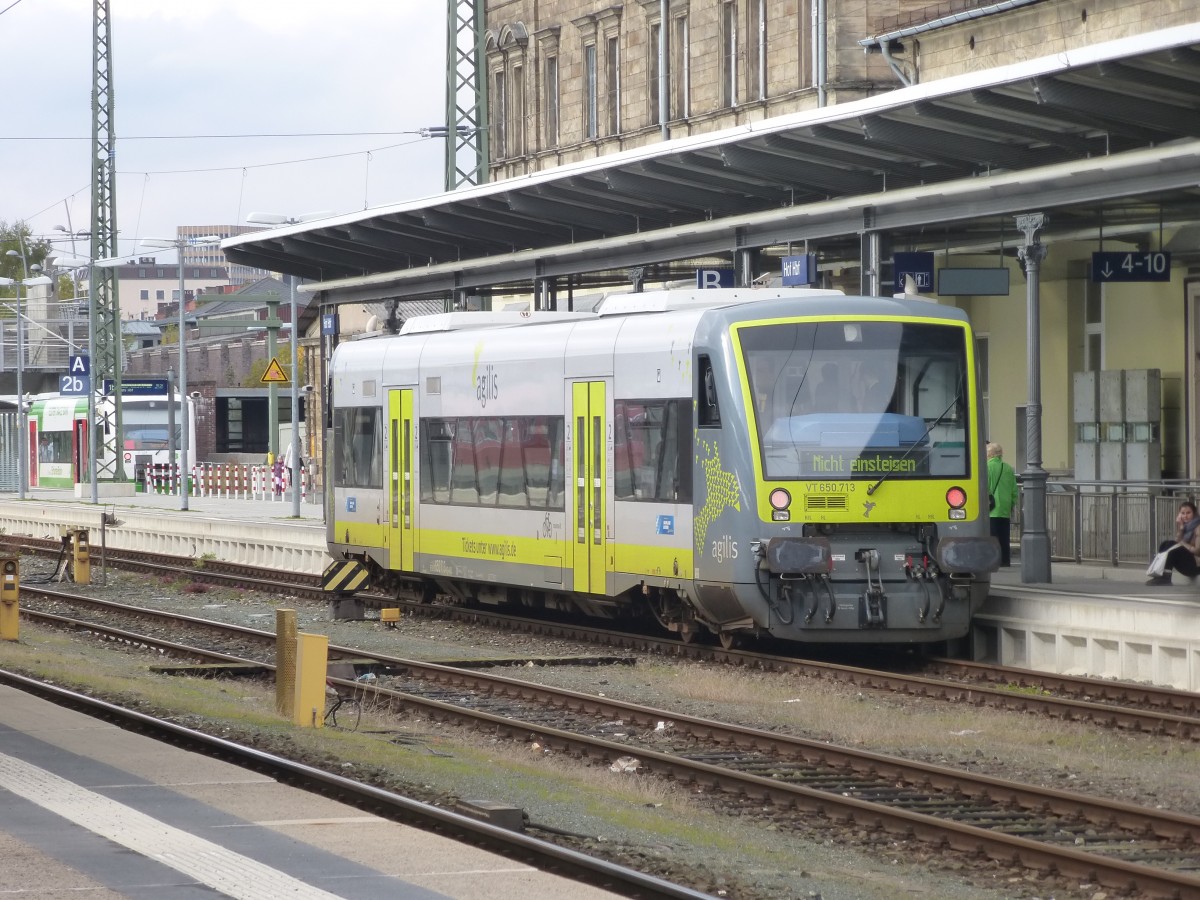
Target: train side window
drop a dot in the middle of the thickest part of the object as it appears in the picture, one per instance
(681, 418)
(558, 457)
(359, 463)
(623, 465)
(538, 453)
(437, 438)
(513, 490)
(488, 435)
(652, 450)
(464, 486)
(709, 411)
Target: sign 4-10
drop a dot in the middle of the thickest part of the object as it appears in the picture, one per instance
(1149, 266)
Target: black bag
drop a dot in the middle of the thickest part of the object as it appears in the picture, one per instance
(991, 502)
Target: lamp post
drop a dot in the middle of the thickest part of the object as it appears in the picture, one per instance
(273, 219)
(22, 466)
(179, 244)
(93, 450)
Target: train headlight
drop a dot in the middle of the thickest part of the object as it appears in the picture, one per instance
(956, 499)
(780, 500)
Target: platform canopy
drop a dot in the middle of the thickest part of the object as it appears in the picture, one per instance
(1103, 137)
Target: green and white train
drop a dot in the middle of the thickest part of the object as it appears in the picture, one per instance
(58, 436)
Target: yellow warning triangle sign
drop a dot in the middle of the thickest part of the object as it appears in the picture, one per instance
(274, 374)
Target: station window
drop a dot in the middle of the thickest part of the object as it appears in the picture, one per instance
(550, 87)
(591, 124)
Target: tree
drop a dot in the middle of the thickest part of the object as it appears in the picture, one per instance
(17, 236)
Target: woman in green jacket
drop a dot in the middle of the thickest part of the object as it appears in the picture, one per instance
(1002, 496)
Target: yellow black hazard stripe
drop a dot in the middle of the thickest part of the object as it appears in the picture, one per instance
(344, 576)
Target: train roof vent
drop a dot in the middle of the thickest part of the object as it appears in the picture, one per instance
(460, 321)
(696, 298)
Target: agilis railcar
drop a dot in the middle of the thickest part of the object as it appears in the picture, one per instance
(782, 462)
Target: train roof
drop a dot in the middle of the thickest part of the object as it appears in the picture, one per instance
(701, 298)
(732, 304)
(463, 321)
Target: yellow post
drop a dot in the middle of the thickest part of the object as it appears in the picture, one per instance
(312, 660)
(10, 597)
(81, 561)
(285, 662)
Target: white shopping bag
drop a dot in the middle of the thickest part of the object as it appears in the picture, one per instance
(1158, 565)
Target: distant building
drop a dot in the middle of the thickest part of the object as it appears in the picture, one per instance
(147, 286)
(140, 334)
(209, 255)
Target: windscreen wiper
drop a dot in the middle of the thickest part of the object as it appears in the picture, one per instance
(932, 425)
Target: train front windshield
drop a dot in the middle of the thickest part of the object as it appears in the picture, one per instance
(859, 399)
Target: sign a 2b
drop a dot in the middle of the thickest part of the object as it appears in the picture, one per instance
(74, 385)
(78, 380)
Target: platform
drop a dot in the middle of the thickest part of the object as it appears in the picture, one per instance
(253, 532)
(88, 809)
(1100, 621)
(1089, 620)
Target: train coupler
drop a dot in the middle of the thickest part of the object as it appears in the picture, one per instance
(872, 609)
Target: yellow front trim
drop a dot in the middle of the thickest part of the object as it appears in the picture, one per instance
(896, 500)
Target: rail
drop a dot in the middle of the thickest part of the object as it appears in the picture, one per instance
(1109, 522)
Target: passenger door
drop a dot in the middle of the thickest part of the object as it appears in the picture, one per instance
(589, 426)
(400, 502)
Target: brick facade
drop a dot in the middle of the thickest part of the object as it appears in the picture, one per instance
(524, 35)
(725, 73)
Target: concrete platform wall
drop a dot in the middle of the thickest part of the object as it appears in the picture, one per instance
(1156, 641)
(288, 546)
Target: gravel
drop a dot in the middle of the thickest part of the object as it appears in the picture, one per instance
(655, 826)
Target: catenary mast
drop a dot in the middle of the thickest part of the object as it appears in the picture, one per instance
(104, 309)
(466, 94)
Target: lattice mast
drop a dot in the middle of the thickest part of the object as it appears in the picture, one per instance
(466, 94)
(104, 308)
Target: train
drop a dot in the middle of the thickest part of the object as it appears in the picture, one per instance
(58, 435)
(784, 462)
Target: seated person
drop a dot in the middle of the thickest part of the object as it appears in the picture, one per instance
(1184, 548)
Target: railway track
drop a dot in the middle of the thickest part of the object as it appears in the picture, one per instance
(541, 854)
(779, 778)
(1120, 705)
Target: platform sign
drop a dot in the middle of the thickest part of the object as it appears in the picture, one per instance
(77, 382)
(798, 271)
(918, 265)
(139, 387)
(1132, 266)
(329, 324)
(986, 282)
(714, 278)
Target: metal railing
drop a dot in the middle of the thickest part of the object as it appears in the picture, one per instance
(49, 343)
(1111, 523)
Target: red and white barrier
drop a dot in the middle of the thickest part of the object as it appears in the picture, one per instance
(227, 481)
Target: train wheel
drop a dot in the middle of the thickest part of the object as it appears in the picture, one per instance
(730, 640)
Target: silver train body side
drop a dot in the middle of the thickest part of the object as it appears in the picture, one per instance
(675, 457)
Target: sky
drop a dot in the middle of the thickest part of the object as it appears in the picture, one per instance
(356, 78)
